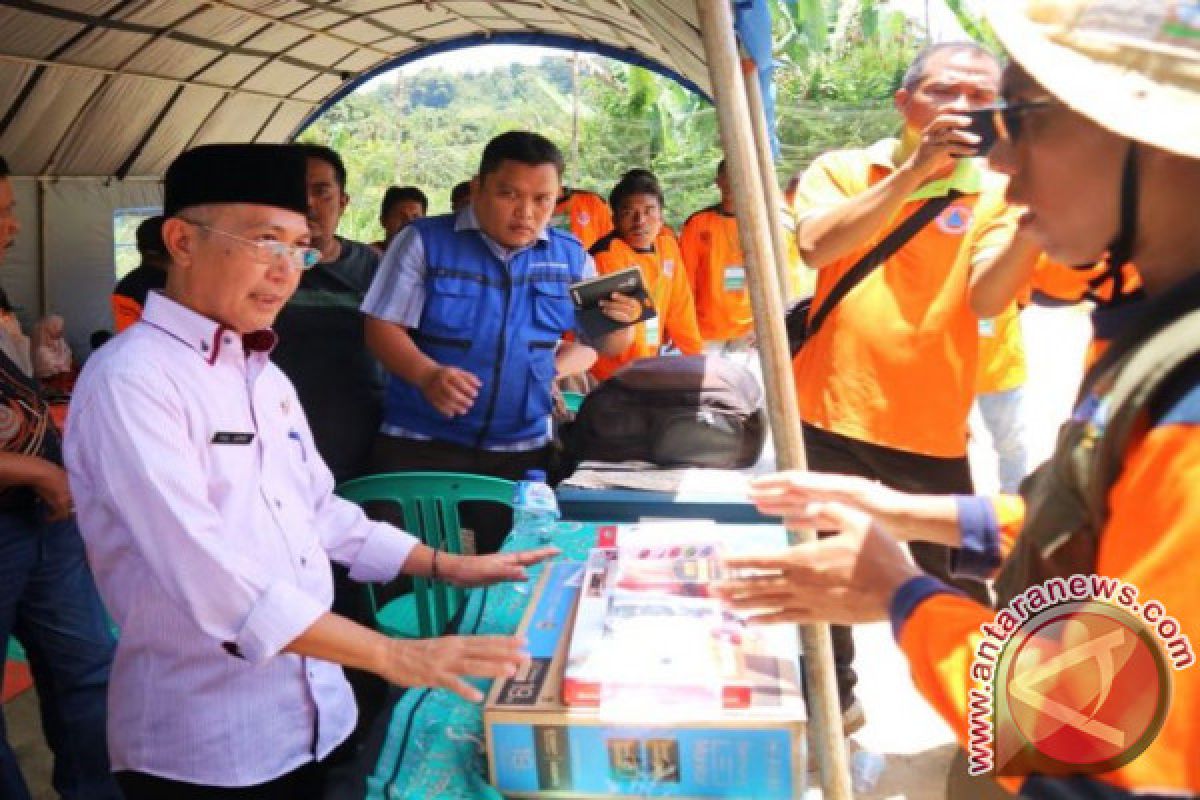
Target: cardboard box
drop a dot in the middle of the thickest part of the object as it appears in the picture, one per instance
(538, 747)
(646, 626)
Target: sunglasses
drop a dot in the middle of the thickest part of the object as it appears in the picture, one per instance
(1001, 121)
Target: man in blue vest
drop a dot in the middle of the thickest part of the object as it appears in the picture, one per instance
(468, 313)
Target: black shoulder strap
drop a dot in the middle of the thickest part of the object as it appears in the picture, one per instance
(880, 253)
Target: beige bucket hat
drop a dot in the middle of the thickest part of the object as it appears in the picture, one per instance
(1131, 66)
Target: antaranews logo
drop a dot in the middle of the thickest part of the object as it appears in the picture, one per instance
(1073, 676)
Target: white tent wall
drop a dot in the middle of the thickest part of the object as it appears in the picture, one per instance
(79, 262)
(19, 273)
(80, 272)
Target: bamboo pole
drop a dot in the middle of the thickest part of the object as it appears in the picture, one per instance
(733, 115)
(770, 181)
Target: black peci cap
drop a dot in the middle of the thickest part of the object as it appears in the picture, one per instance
(260, 174)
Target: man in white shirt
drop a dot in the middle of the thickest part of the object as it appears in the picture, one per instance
(210, 518)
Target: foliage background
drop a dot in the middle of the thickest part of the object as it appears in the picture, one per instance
(839, 62)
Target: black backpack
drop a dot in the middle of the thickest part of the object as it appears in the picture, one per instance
(702, 411)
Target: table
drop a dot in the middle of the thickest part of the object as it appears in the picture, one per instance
(632, 505)
(719, 495)
(434, 745)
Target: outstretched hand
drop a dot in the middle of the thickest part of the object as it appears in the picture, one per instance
(468, 571)
(844, 579)
(445, 661)
(800, 496)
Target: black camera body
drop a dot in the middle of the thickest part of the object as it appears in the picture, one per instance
(983, 125)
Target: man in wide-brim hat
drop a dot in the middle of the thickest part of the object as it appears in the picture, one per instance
(1100, 135)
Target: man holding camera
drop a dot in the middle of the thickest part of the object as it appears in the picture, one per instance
(885, 383)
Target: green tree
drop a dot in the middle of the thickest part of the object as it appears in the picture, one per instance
(839, 63)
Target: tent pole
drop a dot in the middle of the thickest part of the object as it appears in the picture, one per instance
(733, 115)
(770, 181)
(575, 118)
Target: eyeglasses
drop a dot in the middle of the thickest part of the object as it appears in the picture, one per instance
(1009, 118)
(269, 250)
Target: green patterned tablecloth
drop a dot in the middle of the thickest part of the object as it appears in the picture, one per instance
(434, 747)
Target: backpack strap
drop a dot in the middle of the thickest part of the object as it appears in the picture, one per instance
(1127, 379)
(901, 235)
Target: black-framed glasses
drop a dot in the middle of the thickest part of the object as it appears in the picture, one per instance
(268, 250)
(1002, 121)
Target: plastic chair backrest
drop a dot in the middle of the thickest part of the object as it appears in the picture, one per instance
(428, 502)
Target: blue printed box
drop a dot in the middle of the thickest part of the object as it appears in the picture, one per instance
(537, 747)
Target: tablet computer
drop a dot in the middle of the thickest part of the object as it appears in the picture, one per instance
(588, 294)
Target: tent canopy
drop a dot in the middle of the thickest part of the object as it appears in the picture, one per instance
(117, 88)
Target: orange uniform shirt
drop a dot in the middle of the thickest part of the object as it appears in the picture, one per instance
(584, 214)
(125, 310)
(895, 362)
(1151, 532)
(1070, 285)
(716, 269)
(1001, 352)
(666, 281)
(1060, 282)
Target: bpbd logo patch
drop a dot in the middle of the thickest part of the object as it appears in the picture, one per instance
(955, 220)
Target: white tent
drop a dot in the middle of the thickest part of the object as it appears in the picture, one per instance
(98, 96)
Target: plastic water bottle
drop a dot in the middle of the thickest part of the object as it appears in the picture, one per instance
(865, 770)
(535, 509)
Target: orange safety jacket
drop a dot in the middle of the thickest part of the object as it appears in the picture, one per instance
(584, 214)
(716, 269)
(666, 281)
(1145, 539)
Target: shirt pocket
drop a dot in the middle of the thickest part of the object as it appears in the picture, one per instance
(453, 303)
(552, 307)
(539, 400)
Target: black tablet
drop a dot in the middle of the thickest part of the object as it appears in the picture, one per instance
(588, 294)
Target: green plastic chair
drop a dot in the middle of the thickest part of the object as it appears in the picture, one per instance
(572, 400)
(428, 503)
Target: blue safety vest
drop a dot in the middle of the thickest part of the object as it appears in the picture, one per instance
(500, 322)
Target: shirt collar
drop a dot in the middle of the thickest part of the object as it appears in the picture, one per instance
(206, 336)
(967, 177)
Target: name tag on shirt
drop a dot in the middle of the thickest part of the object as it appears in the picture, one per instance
(232, 437)
(987, 328)
(735, 279)
(652, 334)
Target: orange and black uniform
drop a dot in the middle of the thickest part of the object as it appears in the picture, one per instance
(666, 281)
(894, 364)
(1057, 284)
(129, 295)
(716, 269)
(886, 384)
(584, 214)
(1148, 541)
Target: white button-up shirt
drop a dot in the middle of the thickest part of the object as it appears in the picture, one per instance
(209, 520)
